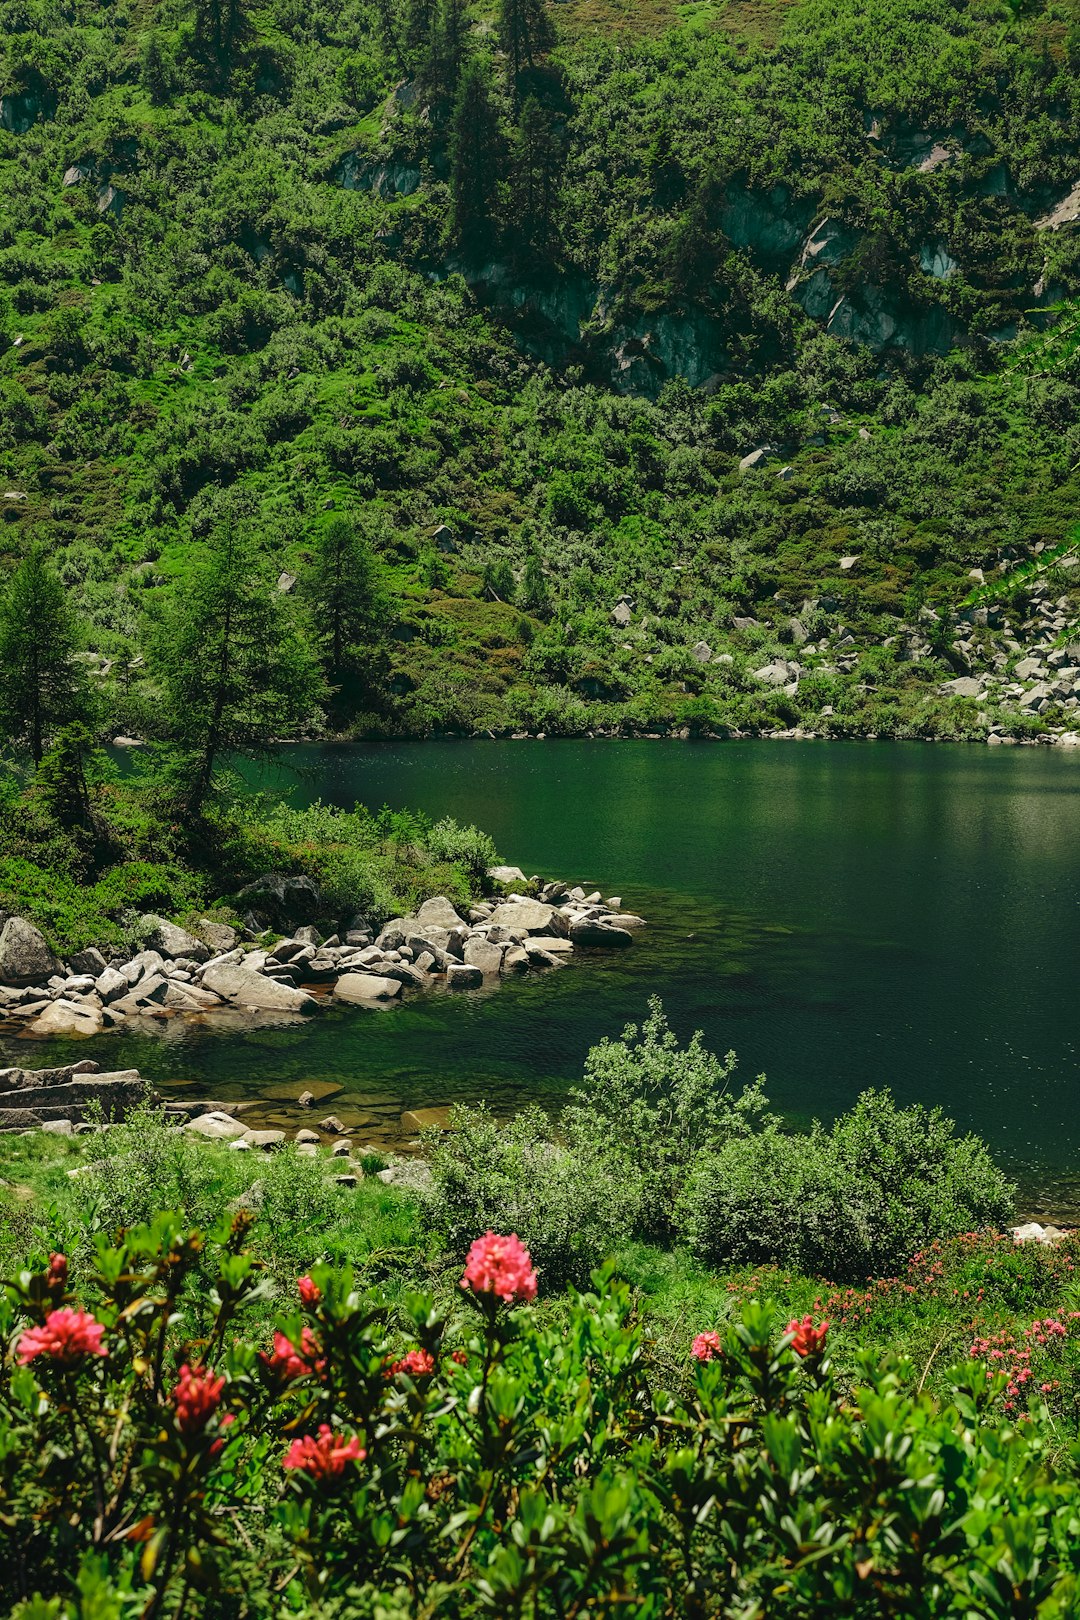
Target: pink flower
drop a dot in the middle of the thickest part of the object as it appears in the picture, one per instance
(705, 1346)
(309, 1293)
(325, 1457)
(808, 1340)
(417, 1363)
(65, 1338)
(501, 1266)
(56, 1276)
(288, 1361)
(197, 1397)
(460, 1358)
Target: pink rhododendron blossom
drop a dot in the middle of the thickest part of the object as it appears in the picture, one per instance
(197, 1397)
(288, 1361)
(501, 1266)
(417, 1363)
(705, 1346)
(66, 1337)
(807, 1339)
(309, 1293)
(57, 1272)
(324, 1457)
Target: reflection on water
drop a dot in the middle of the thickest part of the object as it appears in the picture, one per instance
(841, 914)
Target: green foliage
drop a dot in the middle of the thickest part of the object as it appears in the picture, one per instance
(236, 671)
(571, 1210)
(653, 1146)
(521, 1460)
(42, 686)
(849, 1203)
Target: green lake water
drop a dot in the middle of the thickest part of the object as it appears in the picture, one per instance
(840, 914)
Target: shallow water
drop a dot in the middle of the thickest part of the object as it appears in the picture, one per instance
(841, 914)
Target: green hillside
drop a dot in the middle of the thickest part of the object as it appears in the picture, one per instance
(542, 280)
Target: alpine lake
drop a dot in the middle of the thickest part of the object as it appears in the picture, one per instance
(842, 915)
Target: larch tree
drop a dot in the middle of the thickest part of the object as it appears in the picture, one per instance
(42, 687)
(236, 669)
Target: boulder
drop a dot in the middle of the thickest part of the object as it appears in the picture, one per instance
(437, 913)
(332, 1125)
(515, 960)
(482, 954)
(218, 1127)
(246, 989)
(89, 961)
(25, 955)
(284, 900)
(776, 674)
(170, 940)
(219, 936)
(964, 686)
(460, 976)
(701, 652)
(524, 916)
(366, 987)
(145, 964)
(506, 874)
(268, 1141)
(66, 1019)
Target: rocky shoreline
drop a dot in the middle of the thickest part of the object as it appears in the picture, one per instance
(219, 970)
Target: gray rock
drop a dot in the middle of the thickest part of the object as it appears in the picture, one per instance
(217, 1126)
(267, 1141)
(142, 966)
(218, 936)
(480, 953)
(332, 1125)
(67, 1019)
(506, 874)
(246, 989)
(437, 913)
(25, 955)
(342, 1149)
(965, 686)
(776, 674)
(304, 1135)
(366, 987)
(58, 1127)
(460, 976)
(170, 940)
(89, 961)
(701, 652)
(1029, 668)
(524, 916)
(515, 960)
(413, 1174)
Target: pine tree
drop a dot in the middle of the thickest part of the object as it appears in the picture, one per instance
(347, 600)
(525, 32)
(475, 157)
(535, 175)
(42, 687)
(452, 35)
(236, 671)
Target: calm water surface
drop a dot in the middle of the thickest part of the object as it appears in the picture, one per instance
(842, 915)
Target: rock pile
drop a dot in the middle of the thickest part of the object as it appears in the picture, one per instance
(176, 974)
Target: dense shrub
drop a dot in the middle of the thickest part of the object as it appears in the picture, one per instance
(490, 1458)
(847, 1203)
(654, 1146)
(571, 1209)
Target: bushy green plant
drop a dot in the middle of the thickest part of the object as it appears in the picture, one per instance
(847, 1203)
(648, 1107)
(491, 1457)
(571, 1209)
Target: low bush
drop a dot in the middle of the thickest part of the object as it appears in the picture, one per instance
(655, 1145)
(491, 1457)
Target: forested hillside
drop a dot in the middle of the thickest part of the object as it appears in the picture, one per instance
(596, 366)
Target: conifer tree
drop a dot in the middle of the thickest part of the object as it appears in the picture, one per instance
(41, 685)
(346, 597)
(525, 32)
(236, 671)
(475, 157)
(452, 36)
(535, 174)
